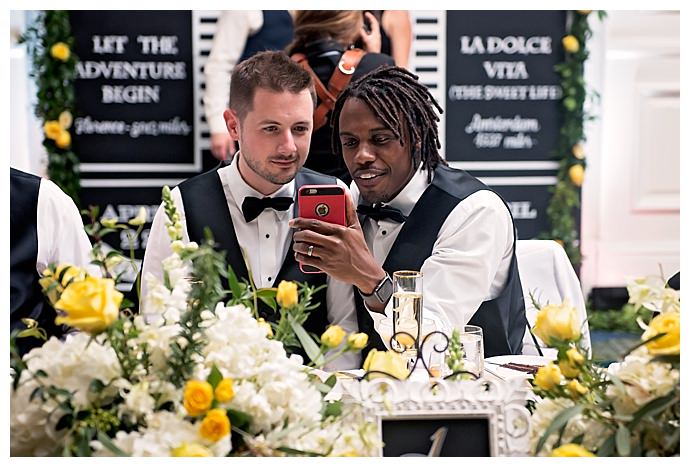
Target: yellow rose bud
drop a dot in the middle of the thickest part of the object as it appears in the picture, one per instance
(557, 322)
(575, 358)
(215, 425)
(90, 305)
(52, 129)
(60, 51)
(357, 341)
(177, 246)
(287, 294)
(68, 272)
(568, 370)
(65, 119)
(571, 44)
(224, 391)
(333, 336)
(265, 326)
(548, 377)
(578, 151)
(109, 222)
(669, 344)
(140, 218)
(63, 140)
(571, 450)
(198, 396)
(191, 450)
(577, 174)
(389, 362)
(576, 389)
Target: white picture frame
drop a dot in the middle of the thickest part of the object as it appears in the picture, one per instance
(501, 403)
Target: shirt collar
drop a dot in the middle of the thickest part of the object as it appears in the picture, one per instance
(407, 198)
(234, 184)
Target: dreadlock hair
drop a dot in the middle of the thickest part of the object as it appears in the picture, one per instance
(401, 102)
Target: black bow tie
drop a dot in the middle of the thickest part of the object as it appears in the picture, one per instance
(252, 207)
(381, 212)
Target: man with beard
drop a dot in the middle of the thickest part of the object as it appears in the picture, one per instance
(248, 201)
(418, 214)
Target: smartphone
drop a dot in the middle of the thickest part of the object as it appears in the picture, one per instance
(323, 202)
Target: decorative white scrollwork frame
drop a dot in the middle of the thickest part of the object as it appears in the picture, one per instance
(503, 403)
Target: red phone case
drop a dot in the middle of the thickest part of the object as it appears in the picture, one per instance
(323, 202)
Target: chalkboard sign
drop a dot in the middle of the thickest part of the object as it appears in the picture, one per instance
(452, 435)
(503, 93)
(134, 91)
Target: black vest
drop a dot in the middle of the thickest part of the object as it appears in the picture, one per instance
(275, 34)
(503, 318)
(26, 298)
(206, 206)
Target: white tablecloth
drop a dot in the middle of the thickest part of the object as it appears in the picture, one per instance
(545, 270)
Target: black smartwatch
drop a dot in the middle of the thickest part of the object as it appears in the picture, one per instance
(381, 294)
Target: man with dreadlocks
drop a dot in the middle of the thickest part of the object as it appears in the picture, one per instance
(416, 214)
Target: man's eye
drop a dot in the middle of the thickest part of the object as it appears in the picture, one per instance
(349, 143)
(381, 139)
(270, 129)
(301, 129)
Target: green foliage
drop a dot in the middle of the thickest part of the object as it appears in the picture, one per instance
(624, 320)
(55, 82)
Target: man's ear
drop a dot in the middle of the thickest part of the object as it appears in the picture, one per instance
(232, 123)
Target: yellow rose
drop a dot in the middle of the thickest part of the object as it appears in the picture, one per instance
(576, 174)
(91, 305)
(287, 294)
(669, 344)
(557, 322)
(215, 425)
(389, 362)
(65, 119)
(64, 140)
(571, 44)
(571, 450)
(68, 272)
(52, 129)
(548, 377)
(224, 391)
(140, 218)
(265, 326)
(578, 151)
(60, 51)
(333, 336)
(568, 370)
(198, 396)
(357, 341)
(191, 450)
(576, 389)
(575, 358)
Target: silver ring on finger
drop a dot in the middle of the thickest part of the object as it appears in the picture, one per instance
(310, 250)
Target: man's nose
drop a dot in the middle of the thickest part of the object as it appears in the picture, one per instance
(364, 155)
(287, 144)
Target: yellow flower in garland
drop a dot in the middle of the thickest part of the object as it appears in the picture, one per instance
(548, 377)
(575, 358)
(198, 396)
(287, 294)
(576, 389)
(191, 450)
(215, 425)
(333, 336)
(578, 151)
(60, 51)
(557, 322)
(568, 370)
(64, 140)
(52, 129)
(90, 305)
(357, 341)
(571, 44)
(571, 450)
(140, 218)
(224, 391)
(577, 174)
(65, 119)
(669, 344)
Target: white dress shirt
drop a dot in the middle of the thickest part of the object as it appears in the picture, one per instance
(60, 231)
(470, 259)
(266, 241)
(232, 30)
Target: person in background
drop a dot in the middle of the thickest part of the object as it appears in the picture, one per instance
(239, 35)
(248, 201)
(396, 34)
(416, 214)
(45, 228)
(321, 39)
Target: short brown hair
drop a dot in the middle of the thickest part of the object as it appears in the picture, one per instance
(271, 70)
(342, 26)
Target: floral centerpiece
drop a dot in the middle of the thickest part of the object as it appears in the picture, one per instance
(196, 376)
(630, 409)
